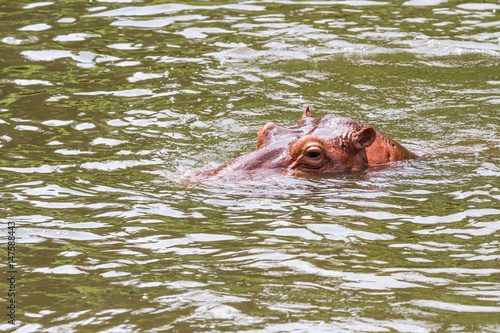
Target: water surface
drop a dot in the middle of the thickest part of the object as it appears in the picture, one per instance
(103, 104)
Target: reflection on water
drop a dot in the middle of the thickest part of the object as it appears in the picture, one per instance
(104, 104)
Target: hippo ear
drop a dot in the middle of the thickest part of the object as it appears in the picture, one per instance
(306, 113)
(364, 137)
(269, 133)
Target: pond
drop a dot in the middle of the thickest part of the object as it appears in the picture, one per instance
(105, 104)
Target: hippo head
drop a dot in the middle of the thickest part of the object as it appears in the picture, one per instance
(323, 145)
(314, 146)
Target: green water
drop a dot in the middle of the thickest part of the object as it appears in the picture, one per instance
(104, 104)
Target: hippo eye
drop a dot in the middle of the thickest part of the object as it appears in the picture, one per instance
(313, 154)
(313, 157)
(308, 153)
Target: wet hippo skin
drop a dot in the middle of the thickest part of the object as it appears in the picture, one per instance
(314, 146)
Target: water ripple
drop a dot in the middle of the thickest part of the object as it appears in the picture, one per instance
(105, 104)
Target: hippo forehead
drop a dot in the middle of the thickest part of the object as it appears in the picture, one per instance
(329, 126)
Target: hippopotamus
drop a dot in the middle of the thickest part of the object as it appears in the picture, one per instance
(313, 147)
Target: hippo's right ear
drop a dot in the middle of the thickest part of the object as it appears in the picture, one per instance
(306, 114)
(364, 137)
(264, 135)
